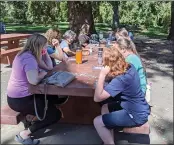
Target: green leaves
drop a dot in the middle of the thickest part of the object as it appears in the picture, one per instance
(142, 13)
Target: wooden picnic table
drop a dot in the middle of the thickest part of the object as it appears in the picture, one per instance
(13, 39)
(80, 107)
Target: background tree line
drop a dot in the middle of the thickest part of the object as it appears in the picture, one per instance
(113, 13)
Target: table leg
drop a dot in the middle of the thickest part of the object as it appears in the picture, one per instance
(13, 44)
(80, 110)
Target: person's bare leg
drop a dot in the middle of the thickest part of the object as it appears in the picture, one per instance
(105, 110)
(104, 133)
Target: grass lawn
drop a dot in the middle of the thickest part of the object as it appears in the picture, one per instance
(153, 32)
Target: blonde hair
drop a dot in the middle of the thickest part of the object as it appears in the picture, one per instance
(114, 59)
(51, 34)
(34, 44)
(127, 44)
(122, 32)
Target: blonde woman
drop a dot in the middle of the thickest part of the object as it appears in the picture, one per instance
(131, 108)
(26, 70)
(122, 32)
(53, 48)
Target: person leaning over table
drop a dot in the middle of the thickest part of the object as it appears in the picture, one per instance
(131, 108)
(53, 48)
(66, 43)
(26, 70)
(122, 32)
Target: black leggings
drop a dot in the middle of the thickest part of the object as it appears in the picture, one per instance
(26, 106)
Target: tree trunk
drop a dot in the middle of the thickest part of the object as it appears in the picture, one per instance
(115, 23)
(78, 11)
(171, 33)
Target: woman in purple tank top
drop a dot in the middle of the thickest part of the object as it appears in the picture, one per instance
(26, 69)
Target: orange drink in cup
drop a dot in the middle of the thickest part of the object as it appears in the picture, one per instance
(78, 56)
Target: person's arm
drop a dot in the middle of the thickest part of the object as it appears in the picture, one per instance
(48, 61)
(59, 56)
(65, 47)
(115, 87)
(100, 94)
(34, 77)
(68, 51)
(30, 67)
(45, 62)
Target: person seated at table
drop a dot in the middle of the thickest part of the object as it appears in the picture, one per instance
(66, 43)
(83, 40)
(85, 28)
(26, 70)
(131, 109)
(53, 48)
(127, 48)
(122, 32)
(84, 34)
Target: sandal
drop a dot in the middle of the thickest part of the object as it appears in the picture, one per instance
(27, 141)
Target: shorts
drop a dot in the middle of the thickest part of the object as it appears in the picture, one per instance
(118, 117)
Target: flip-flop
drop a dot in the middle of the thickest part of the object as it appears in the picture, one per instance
(27, 141)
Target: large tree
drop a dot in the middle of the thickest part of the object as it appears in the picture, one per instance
(78, 11)
(171, 33)
(115, 22)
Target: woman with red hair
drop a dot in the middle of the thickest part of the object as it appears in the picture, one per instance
(130, 108)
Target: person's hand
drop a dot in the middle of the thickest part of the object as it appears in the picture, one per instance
(55, 42)
(42, 74)
(85, 52)
(105, 70)
(65, 59)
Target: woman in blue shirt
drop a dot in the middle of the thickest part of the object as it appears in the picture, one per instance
(131, 108)
(68, 38)
(53, 48)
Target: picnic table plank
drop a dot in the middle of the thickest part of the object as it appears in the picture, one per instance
(13, 39)
(83, 85)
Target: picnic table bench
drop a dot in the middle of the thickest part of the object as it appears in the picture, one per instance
(7, 56)
(12, 42)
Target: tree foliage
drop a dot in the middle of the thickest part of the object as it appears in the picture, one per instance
(171, 32)
(142, 13)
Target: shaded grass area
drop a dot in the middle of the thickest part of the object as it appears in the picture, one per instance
(155, 32)
(152, 32)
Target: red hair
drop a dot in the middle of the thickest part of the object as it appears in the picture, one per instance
(113, 58)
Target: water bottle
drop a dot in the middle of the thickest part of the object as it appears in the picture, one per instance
(100, 56)
(108, 43)
(90, 50)
(110, 36)
(100, 36)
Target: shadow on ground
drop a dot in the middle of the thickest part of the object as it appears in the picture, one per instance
(164, 128)
(157, 55)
